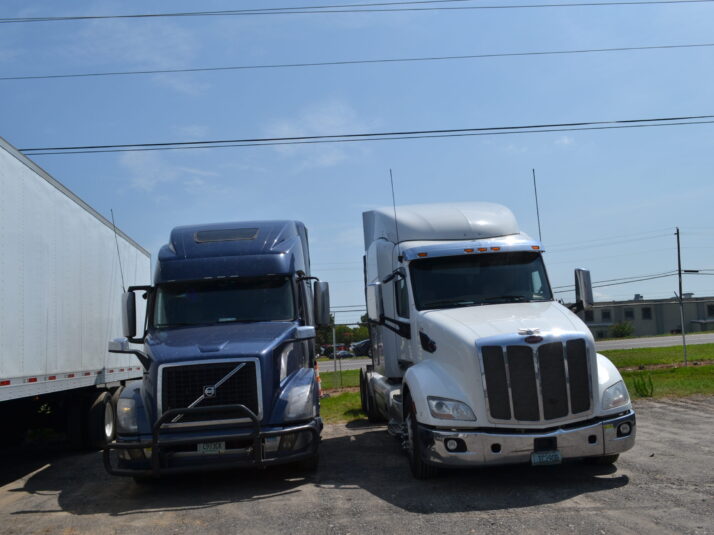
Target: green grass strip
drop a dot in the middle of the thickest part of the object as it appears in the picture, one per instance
(644, 356)
(342, 407)
(675, 382)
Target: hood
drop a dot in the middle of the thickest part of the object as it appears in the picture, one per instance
(491, 320)
(217, 341)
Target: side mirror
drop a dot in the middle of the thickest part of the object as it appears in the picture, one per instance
(583, 290)
(321, 290)
(305, 333)
(375, 310)
(129, 314)
(119, 345)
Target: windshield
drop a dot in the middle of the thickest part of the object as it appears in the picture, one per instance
(456, 281)
(224, 301)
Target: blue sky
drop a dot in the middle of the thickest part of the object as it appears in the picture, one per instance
(609, 199)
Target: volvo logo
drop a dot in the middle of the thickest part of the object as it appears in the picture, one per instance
(209, 391)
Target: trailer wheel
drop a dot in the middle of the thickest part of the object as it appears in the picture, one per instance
(605, 460)
(102, 420)
(419, 469)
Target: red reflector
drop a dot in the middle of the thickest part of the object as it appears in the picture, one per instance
(110, 371)
(52, 378)
(4, 383)
(70, 375)
(533, 339)
(32, 380)
(87, 373)
(121, 369)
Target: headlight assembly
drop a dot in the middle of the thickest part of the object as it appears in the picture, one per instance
(126, 416)
(615, 396)
(449, 409)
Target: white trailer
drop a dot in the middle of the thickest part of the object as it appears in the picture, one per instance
(60, 293)
(474, 361)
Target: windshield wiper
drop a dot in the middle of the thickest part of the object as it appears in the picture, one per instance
(509, 298)
(447, 303)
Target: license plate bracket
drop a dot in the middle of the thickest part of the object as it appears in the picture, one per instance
(546, 458)
(211, 448)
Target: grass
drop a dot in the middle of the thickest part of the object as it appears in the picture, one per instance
(331, 380)
(342, 407)
(675, 382)
(645, 356)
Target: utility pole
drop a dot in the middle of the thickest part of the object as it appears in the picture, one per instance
(681, 297)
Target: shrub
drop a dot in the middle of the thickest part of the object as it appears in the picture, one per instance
(622, 330)
(643, 385)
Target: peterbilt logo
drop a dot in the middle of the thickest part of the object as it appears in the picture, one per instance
(525, 332)
(209, 391)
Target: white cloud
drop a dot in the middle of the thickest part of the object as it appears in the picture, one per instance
(147, 170)
(192, 131)
(325, 118)
(564, 140)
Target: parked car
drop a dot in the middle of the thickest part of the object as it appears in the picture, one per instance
(363, 348)
(344, 355)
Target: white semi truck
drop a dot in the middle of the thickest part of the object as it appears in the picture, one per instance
(474, 361)
(60, 294)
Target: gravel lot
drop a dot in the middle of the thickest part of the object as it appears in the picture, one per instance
(664, 485)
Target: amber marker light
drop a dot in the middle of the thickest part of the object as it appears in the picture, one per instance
(535, 247)
(468, 250)
(495, 248)
(422, 255)
(482, 249)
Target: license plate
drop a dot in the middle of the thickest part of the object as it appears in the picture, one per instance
(544, 458)
(211, 448)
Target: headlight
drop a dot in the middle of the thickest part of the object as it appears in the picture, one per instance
(126, 416)
(300, 403)
(615, 396)
(449, 409)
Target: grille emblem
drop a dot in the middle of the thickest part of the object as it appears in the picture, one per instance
(209, 391)
(526, 332)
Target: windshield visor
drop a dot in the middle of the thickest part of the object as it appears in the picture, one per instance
(224, 301)
(457, 281)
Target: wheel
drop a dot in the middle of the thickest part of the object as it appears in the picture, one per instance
(102, 420)
(373, 414)
(420, 469)
(605, 460)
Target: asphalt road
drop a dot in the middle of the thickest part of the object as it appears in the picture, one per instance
(663, 485)
(655, 341)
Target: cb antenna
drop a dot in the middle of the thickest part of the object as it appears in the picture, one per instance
(394, 205)
(116, 240)
(535, 190)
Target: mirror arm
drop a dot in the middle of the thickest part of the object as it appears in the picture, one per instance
(143, 357)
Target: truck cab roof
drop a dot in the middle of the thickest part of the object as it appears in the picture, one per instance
(234, 249)
(438, 221)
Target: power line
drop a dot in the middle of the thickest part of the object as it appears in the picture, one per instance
(621, 283)
(381, 136)
(355, 62)
(351, 8)
(664, 273)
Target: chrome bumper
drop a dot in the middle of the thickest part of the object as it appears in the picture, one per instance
(493, 448)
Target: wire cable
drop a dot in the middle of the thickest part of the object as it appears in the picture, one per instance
(356, 62)
(381, 136)
(354, 8)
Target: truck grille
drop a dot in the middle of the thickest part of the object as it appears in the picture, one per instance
(546, 382)
(183, 385)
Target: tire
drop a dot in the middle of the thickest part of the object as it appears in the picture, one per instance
(102, 420)
(419, 469)
(605, 460)
(373, 414)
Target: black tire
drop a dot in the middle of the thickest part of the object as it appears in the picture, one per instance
(419, 469)
(102, 420)
(605, 460)
(373, 414)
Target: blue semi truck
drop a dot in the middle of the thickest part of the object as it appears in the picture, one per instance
(228, 353)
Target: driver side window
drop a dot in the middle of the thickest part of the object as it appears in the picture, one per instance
(401, 297)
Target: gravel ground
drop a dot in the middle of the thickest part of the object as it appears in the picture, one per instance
(663, 485)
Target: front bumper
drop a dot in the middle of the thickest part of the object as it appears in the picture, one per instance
(177, 452)
(494, 447)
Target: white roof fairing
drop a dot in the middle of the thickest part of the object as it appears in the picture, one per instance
(439, 221)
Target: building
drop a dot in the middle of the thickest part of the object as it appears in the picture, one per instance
(650, 317)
